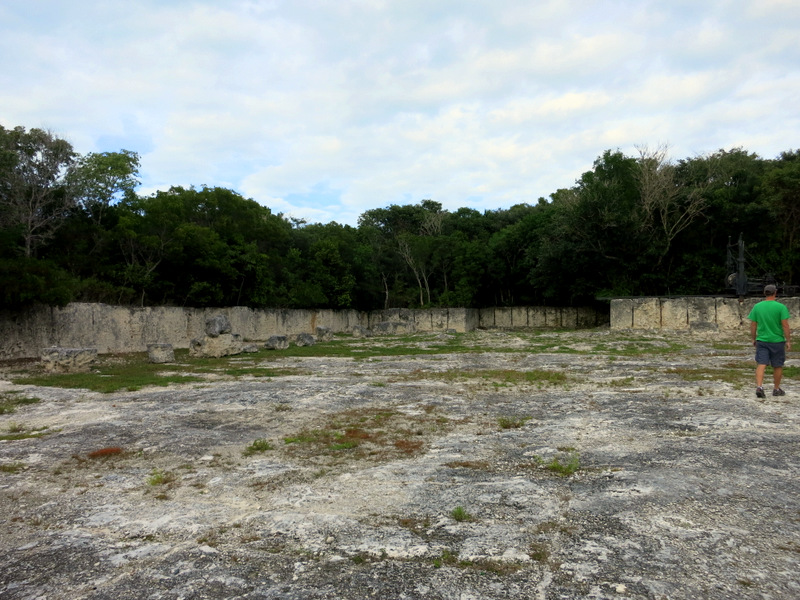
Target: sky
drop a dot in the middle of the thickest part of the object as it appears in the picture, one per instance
(322, 110)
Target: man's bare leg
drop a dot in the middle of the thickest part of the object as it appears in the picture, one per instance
(777, 375)
(760, 370)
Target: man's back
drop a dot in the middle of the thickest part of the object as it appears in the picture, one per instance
(769, 315)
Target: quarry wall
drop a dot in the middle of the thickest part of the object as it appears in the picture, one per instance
(688, 314)
(118, 329)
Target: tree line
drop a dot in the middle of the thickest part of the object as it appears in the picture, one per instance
(73, 228)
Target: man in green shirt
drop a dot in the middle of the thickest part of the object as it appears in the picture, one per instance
(769, 328)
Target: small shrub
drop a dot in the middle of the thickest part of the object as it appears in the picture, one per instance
(539, 552)
(11, 467)
(447, 558)
(408, 447)
(460, 514)
(10, 402)
(564, 468)
(512, 422)
(259, 445)
(159, 477)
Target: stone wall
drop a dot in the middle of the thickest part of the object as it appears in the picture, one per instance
(690, 314)
(113, 329)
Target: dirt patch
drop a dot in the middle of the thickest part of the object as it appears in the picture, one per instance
(588, 464)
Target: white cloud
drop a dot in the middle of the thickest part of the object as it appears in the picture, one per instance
(324, 110)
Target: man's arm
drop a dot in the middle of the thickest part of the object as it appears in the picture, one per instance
(787, 334)
(753, 331)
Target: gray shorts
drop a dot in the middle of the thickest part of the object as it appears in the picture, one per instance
(769, 353)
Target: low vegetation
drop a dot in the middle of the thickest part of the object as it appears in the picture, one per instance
(10, 401)
(367, 434)
(258, 446)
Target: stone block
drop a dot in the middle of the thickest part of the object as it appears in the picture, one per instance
(277, 342)
(569, 317)
(729, 313)
(486, 318)
(394, 328)
(305, 339)
(295, 321)
(793, 304)
(621, 313)
(422, 320)
(225, 344)
(324, 334)
(646, 313)
(218, 325)
(701, 310)
(552, 316)
(439, 319)
(360, 331)
(587, 317)
(519, 317)
(502, 317)
(675, 313)
(537, 316)
(160, 353)
(68, 360)
(462, 319)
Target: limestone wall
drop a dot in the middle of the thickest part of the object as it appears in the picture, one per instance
(113, 329)
(707, 313)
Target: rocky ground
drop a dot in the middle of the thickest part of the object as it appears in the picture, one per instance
(582, 464)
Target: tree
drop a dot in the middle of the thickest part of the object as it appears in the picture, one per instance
(100, 179)
(667, 206)
(781, 185)
(35, 195)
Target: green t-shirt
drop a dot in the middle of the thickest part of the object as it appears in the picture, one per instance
(769, 314)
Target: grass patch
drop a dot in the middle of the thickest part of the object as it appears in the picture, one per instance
(259, 445)
(791, 372)
(159, 477)
(10, 401)
(447, 558)
(727, 374)
(564, 466)
(502, 377)
(11, 468)
(512, 422)
(460, 514)
(366, 433)
(637, 347)
(450, 559)
(540, 552)
(133, 372)
(18, 432)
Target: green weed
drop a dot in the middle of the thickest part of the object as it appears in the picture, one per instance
(540, 552)
(461, 515)
(512, 422)
(159, 477)
(134, 371)
(18, 432)
(566, 468)
(259, 445)
(447, 558)
(10, 401)
(791, 372)
(12, 468)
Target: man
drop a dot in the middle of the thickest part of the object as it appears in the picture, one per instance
(769, 328)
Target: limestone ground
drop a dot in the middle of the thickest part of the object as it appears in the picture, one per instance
(574, 464)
